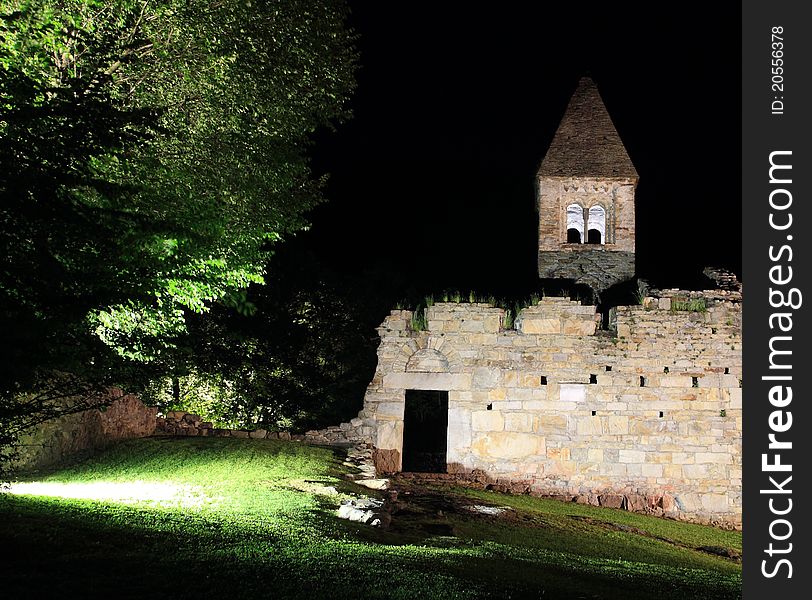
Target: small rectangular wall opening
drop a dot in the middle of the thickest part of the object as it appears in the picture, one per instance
(642, 381)
(425, 431)
(593, 379)
(608, 367)
(543, 380)
(694, 381)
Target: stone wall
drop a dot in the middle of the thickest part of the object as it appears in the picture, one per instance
(53, 441)
(185, 424)
(647, 419)
(591, 265)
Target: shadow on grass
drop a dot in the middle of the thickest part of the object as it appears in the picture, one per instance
(94, 550)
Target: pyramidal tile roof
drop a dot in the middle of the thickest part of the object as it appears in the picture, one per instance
(586, 143)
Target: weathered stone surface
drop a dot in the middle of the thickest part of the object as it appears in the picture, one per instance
(518, 421)
(663, 439)
(427, 360)
(386, 460)
(540, 325)
(636, 502)
(572, 392)
(715, 503)
(369, 511)
(53, 441)
(667, 503)
(508, 445)
(428, 381)
(390, 435)
(459, 433)
(486, 377)
(598, 268)
(374, 484)
(487, 420)
(612, 501)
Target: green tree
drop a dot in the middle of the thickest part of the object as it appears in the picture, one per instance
(303, 359)
(151, 154)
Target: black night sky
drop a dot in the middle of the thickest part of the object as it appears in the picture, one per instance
(431, 182)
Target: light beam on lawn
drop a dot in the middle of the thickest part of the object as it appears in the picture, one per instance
(125, 492)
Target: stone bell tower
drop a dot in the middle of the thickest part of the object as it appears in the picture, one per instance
(585, 190)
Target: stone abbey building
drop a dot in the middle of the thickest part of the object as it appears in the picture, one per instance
(646, 416)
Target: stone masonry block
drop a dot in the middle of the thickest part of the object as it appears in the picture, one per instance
(491, 323)
(616, 425)
(719, 458)
(632, 456)
(573, 392)
(715, 503)
(652, 470)
(735, 398)
(486, 377)
(541, 326)
(487, 420)
(520, 421)
(578, 326)
(589, 426)
(508, 445)
(551, 424)
(459, 433)
(473, 326)
(390, 435)
(675, 380)
(428, 381)
(695, 471)
(389, 409)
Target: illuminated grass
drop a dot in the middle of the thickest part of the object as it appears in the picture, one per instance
(272, 533)
(684, 534)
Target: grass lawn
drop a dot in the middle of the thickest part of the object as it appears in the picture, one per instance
(210, 517)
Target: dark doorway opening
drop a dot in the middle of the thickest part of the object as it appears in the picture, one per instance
(593, 236)
(425, 427)
(573, 236)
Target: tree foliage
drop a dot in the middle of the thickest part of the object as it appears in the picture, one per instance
(303, 359)
(151, 154)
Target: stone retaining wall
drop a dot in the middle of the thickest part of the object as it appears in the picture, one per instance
(182, 423)
(649, 418)
(55, 440)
